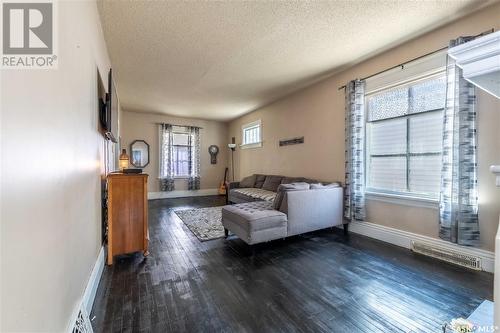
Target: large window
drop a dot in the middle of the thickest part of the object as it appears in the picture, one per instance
(180, 152)
(404, 138)
(252, 135)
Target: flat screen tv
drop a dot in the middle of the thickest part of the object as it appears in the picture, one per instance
(108, 111)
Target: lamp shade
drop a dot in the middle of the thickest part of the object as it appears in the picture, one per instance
(123, 163)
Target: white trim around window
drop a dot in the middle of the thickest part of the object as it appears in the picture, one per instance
(403, 139)
(401, 199)
(251, 135)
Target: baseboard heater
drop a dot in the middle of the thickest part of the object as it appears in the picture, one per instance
(82, 323)
(450, 256)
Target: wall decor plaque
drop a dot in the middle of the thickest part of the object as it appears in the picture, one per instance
(293, 141)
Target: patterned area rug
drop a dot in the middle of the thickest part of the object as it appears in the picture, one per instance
(204, 223)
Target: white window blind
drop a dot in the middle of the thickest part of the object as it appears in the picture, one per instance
(251, 133)
(404, 137)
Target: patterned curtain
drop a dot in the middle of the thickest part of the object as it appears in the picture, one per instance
(354, 197)
(458, 207)
(166, 158)
(194, 158)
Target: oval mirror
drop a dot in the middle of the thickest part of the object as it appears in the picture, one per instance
(139, 153)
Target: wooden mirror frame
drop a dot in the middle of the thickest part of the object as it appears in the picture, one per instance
(131, 154)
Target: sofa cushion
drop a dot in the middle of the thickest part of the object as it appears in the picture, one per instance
(289, 180)
(259, 181)
(255, 193)
(238, 197)
(254, 216)
(323, 186)
(272, 183)
(248, 181)
(310, 181)
(283, 188)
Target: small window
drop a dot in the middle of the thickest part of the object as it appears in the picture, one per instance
(252, 135)
(404, 138)
(180, 156)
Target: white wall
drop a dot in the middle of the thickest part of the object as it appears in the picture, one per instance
(50, 177)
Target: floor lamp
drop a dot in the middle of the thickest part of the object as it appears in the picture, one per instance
(232, 146)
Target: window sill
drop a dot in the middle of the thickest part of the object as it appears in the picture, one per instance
(405, 200)
(251, 145)
(176, 177)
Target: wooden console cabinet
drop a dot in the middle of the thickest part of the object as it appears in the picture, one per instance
(127, 214)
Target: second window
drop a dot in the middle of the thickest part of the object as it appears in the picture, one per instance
(404, 138)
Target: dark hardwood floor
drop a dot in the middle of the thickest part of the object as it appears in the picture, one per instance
(318, 282)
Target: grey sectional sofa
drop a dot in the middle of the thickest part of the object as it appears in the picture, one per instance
(259, 187)
(278, 207)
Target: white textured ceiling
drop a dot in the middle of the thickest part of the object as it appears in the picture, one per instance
(218, 60)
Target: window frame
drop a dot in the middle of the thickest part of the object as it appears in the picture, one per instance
(173, 149)
(258, 144)
(390, 195)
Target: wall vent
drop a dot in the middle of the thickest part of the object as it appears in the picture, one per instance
(82, 323)
(453, 257)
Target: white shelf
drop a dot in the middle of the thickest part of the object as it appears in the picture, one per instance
(480, 61)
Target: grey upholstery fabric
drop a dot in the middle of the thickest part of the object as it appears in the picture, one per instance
(267, 183)
(300, 211)
(271, 183)
(255, 222)
(253, 193)
(248, 181)
(238, 197)
(287, 187)
(259, 181)
(253, 216)
(258, 236)
(313, 209)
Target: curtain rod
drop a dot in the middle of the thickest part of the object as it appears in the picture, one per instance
(414, 59)
(179, 125)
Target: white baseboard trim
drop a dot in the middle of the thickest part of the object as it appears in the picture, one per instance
(95, 277)
(90, 290)
(404, 239)
(182, 193)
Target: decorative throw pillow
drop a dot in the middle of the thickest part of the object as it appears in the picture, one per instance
(248, 181)
(283, 188)
(323, 186)
(259, 181)
(272, 183)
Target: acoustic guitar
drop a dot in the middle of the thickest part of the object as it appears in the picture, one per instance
(222, 187)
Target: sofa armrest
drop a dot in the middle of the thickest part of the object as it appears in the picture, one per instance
(232, 185)
(310, 210)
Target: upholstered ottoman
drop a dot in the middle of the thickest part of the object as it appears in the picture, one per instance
(254, 222)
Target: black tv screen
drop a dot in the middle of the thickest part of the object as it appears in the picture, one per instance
(108, 111)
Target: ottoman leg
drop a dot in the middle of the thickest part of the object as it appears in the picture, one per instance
(346, 229)
(226, 232)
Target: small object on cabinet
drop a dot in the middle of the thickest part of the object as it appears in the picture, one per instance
(132, 170)
(123, 162)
